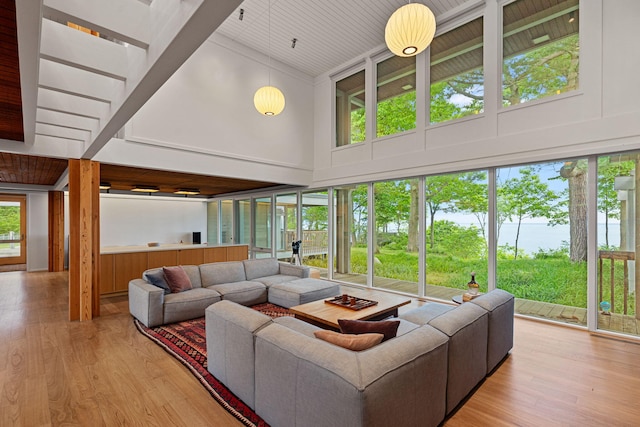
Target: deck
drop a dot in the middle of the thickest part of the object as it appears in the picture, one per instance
(543, 310)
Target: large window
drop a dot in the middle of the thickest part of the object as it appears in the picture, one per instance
(542, 238)
(226, 222)
(350, 110)
(350, 243)
(286, 223)
(618, 235)
(456, 211)
(12, 229)
(395, 248)
(315, 228)
(540, 49)
(396, 95)
(212, 223)
(243, 228)
(457, 74)
(262, 225)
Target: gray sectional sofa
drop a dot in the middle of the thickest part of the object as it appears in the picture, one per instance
(290, 378)
(244, 282)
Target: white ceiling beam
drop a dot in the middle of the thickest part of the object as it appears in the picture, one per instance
(28, 20)
(73, 47)
(62, 132)
(190, 23)
(74, 81)
(66, 103)
(125, 20)
(70, 121)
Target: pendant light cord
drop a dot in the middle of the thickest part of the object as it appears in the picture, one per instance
(269, 41)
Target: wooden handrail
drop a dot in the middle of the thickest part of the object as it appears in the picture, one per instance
(625, 257)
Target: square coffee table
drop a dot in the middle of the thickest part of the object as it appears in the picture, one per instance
(326, 315)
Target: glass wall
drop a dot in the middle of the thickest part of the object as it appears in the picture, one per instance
(243, 229)
(457, 74)
(350, 243)
(617, 237)
(540, 49)
(350, 110)
(395, 246)
(396, 95)
(262, 226)
(315, 229)
(456, 232)
(286, 223)
(226, 222)
(212, 223)
(542, 238)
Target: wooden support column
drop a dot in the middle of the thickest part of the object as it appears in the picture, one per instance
(56, 231)
(84, 239)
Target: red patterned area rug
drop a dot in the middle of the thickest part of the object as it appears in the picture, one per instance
(186, 342)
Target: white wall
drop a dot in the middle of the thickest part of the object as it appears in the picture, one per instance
(137, 220)
(37, 232)
(202, 120)
(603, 116)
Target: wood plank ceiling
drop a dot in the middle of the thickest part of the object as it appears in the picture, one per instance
(10, 96)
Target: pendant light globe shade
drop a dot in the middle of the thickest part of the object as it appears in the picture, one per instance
(269, 101)
(410, 29)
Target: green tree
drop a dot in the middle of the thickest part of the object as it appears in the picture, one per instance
(548, 70)
(524, 197)
(315, 217)
(608, 203)
(9, 219)
(397, 114)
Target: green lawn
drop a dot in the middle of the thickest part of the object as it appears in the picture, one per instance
(553, 280)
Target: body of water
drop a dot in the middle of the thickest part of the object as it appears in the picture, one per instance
(535, 236)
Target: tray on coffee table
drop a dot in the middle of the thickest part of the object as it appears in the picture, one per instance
(359, 304)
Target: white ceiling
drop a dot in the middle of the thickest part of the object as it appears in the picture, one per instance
(78, 90)
(329, 32)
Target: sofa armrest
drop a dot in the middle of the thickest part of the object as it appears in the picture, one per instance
(146, 302)
(301, 271)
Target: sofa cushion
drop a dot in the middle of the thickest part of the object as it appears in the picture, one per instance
(388, 328)
(217, 273)
(424, 314)
(263, 267)
(350, 342)
(302, 291)
(177, 279)
(269, 281)
(245, 292)
(156, 278)
(188, 305)
(193, 271)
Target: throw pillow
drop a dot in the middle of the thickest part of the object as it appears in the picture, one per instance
(350, 342)
(389, 328)
(177, 279)
(156, 278)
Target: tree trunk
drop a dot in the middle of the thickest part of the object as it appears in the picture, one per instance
(414, 219)
(577, 177)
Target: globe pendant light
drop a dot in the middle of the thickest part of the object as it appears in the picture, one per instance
(269, 100)
(410, 29)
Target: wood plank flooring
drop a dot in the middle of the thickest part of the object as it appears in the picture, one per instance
(104, 372)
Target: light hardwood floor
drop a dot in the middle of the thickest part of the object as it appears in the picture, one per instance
(103, 372)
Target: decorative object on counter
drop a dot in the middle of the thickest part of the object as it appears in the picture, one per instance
(473, 285)
(153, 244)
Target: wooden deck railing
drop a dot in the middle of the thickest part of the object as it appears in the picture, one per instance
(625, 257)
(313, 242)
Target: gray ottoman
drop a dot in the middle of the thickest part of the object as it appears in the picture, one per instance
(302, 291)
